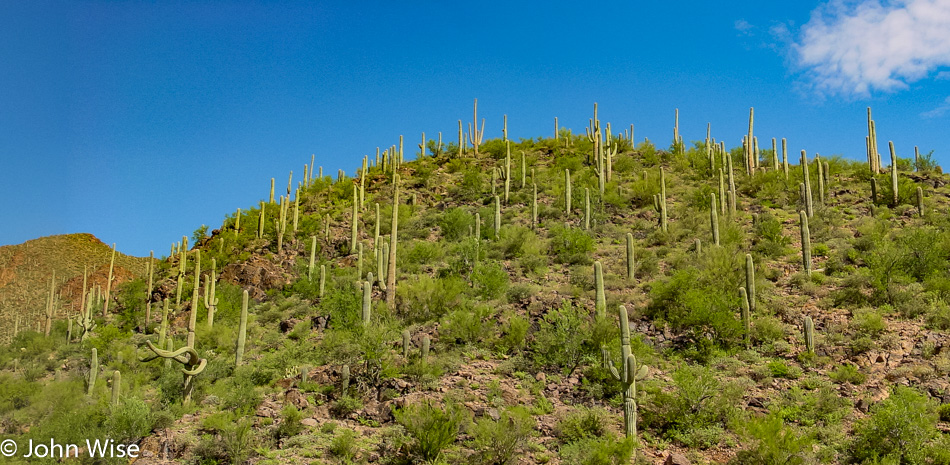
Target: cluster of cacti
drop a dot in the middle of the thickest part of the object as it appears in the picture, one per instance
(632, 372)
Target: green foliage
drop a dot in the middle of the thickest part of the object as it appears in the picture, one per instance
(701, 300)
(560, 341)
(774, 442)
(490, 280)
(698, 400)
(423, 298)
(501, 442)
(343, 445)
(847, 373)
(130, 420)
(289, 422)
(432, 428)
(899, 428)
(605, 450)
(468, 326)
(582, 423)
(455, 223)
(571, 246)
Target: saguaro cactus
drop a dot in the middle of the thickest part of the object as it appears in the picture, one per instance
(406, 342)
(714, 218)
(807, 181)
(809, 335)
(105, 305)
(746, 317)
(663, 200)
(474, 134)
(163, 329)
(895, 199)
(632, 372)
(116, 387)
(242, 332)
(586, 209)
(631, 263)
(367, 301)
(567, 191)
(601, 303)
(313, 254)
(354, 227)
(920, 202)
(93, 371)
(391, 273)
(497, 218)
(534, 208)
(750, 281)
(806, 242)
(211, 299)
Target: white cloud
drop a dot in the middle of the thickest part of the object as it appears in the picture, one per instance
(852, 47)
(941, 110)
(743, 27)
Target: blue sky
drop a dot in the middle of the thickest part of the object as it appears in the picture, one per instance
(141, 121)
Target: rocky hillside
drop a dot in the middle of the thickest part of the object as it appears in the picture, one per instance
(26, 271)
(574, 300)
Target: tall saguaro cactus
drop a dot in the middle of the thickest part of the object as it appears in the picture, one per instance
(806, 242)
(391, 273)
(895, 199)
(567, 191)
(750, 281)
(663, 225)
(242, 332)
(93, 371)
(600, 305)
(714, 218)
(632, 372)
(631, 262)
(474, 134)
(105, 305)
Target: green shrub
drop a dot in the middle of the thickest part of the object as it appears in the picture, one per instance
(821, 406)
(847, 373)
(697, 400)
(289, 425)
(468, 326)
(423, 298)
(582, 423)
(561, 340)
(490, 280)
(514, 332)
(898, 428)
(343, 445)
(867, 322)
(606, 450)
(455, 223)
(774, 442)
(432, 428)
(501, 442)
(571, 246)
(130, 420)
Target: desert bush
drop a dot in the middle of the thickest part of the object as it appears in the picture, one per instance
(455, 223)
(423, 298)
(899, 428)
(582, 423)
(697, 401)
(489, 280)
(571, 245)
(606, 450)
(774, 442)
(500, 442)
(561, 340)
(432, 428)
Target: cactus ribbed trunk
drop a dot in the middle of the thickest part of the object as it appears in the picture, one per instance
(746, 317)
(242, 332)
(896, 197)
(631, 259)
(105, 305)
(93, 371)
(809, 335)
(601, 301)
(750, 281)
(806, 242)
(714, 218)
(391, 270)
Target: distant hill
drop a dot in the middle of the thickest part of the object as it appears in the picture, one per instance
(26, 269)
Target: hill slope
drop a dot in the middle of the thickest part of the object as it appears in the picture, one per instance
(492, 330)
(26, 270)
